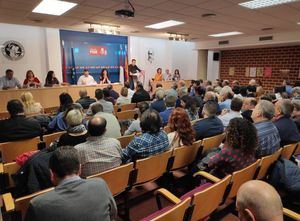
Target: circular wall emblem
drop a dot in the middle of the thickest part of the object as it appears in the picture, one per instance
(13, 50)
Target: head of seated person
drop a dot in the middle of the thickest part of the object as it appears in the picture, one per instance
(296, 111)
(74, 120)
(249, 103)
(139, 86)
(97, 126)
(210, 96)
(210, 109)
(143, 106)
(258, 200)
(65, 100)
(236, 104)
(182, 91)
(263, 111)
(15, 108)
(96, 107)
(226, 93)
(170, 101)
(83, 93)
(243, 91)
(106, 93)
(296, 92)
(64, 163)
(284, 108)
(150, 122)
(99, 94)
(160, 94)
(124, 92)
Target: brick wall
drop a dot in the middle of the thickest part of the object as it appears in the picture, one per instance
(278, 58)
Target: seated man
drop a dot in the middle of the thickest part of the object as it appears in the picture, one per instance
(9, 81)
(226, 95)
(135, 127)
(85, 100)
(107, 106)
(257, 200)
(248, 107)
(73, 198)
(235, 111)
(159, 104)
(296, 113)
(211, 125)
(140, 94)
(170, 101)
(152, 141)
(99, 153)
(112, 92)
(287, 128)
(268, 135)
(86, 79)
(18, 127)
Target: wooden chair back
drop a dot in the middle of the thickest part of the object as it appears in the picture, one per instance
(51, 110)
(117, 179)
(288, 150)
(176, 213)
(151, 168)
(297, 150)
(211, 142)
(167, 129)
(126, 107)
(116, 108)
(184, 156)
(49, 138)
(9, 169)
(208, 200)
(126, 115)
(265, 164)
(242, 176)
(125, 140)
(4, 115)
(11, 150)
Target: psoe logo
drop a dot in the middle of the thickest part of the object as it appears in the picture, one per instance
(13, 50)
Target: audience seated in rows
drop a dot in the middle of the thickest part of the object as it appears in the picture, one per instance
(183, 132)
(112, 92)
(84, 99)
(287, 128)
(226, 95)
(76, 132)
(248, 107)
(99, 153)
(268, 135)
(159, 103)
(107, 96)
(211, 125)
(140, 95)
(238, 151)
(18, 127)
(152, 141)
(257, 200)
(73, 198)
(65, 101)
(189, 104)
(30, 106)
(170, 101)
(173, 90)
(107, 106)
(296, 113)
(124, 98)
(234, 112)
(135, 127)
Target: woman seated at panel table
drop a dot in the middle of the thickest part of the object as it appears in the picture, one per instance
(104, 79)
(176, 76)
(158, 76)
(51, 80)
(31, 80)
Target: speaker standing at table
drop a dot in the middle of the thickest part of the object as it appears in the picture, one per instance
(133, 72)
(86, 79)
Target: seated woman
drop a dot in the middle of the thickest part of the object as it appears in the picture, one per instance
(191, 107)
(30, 106)
(65, 101)
(104, 79)
(238, 151)
(176, 76)
(51, 80)
(158, 76)
(76, 132)
(183, 132)
(135, 125)
(124, 98)
(153, 140)
(31, 80)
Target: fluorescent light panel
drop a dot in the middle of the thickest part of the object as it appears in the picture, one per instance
(226, 34)
(53, 7)
(165, 24)
(264, 3)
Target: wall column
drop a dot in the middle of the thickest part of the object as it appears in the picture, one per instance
(202, 64)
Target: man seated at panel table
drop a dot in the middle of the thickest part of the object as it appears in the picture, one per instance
(73, 198)
(18, 127)
(86, 79)
(9, 81)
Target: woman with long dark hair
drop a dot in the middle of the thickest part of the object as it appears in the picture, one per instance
(104, 77)
(51, 79)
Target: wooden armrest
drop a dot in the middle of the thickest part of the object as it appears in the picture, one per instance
(168, 195)
(1, 168)
(8, 201)
(291, 214)
(207, 176)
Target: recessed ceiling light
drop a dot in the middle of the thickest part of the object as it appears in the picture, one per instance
(208, 15)
(226, 34)
(254, 4)
(165, 24)
(267, 29)
(53, 7)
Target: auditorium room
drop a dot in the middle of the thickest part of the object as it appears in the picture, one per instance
(149, 110)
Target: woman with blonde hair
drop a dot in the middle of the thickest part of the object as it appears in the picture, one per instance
(30, 106)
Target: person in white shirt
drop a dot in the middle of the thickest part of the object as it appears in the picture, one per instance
(124, 98)
(86, 79)
(234, 112)
(130, 92)
(167, 75)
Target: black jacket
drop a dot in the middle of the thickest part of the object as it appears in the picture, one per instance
(208, 127)
(19, 128)
(139, 96)
(86, 101)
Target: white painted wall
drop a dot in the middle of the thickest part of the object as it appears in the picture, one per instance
(213, 67)
(42, 50)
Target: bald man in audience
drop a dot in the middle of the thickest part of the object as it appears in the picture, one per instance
(85, 100)
(258, 201)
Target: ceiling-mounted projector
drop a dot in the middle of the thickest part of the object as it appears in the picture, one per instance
(126, 13)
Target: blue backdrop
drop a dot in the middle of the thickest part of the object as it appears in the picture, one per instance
(92, 51)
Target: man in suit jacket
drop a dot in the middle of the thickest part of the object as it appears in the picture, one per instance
(18, 127)
(73, 198)
(211, 125)
(140, 95)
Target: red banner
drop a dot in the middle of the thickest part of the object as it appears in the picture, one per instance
(98, 51)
